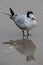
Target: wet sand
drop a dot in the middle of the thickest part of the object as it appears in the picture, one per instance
(9, 31)
(23, 46)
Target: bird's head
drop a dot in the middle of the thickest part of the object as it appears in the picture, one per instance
(30, 15)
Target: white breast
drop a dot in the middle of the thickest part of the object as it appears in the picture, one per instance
(30, 24)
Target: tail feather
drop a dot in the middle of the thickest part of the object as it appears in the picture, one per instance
(11, 11)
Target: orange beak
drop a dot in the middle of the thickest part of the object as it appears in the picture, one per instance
(33, 18)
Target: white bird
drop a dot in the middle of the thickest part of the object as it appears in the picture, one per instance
(24, 22)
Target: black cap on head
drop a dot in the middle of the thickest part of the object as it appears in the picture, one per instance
(11, 11)
(28, 13)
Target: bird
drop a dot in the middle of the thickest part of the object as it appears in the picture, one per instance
(24, 22)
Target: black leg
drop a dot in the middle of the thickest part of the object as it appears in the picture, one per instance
(23, 33)
(28, 34)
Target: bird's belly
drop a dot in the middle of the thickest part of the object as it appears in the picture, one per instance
(21, 25)
(31, 25)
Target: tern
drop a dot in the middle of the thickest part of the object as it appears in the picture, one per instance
(24, 22)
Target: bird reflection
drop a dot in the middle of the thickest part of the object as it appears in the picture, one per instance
(25, 47)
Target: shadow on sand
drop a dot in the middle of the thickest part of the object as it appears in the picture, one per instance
(24, 46)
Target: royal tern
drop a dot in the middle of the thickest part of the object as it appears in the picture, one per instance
(24, 22)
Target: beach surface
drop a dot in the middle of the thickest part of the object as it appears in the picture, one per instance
(9, 31)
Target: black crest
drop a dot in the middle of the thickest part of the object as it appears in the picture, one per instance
(28, 13)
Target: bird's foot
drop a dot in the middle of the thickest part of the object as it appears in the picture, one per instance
(29, 34)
